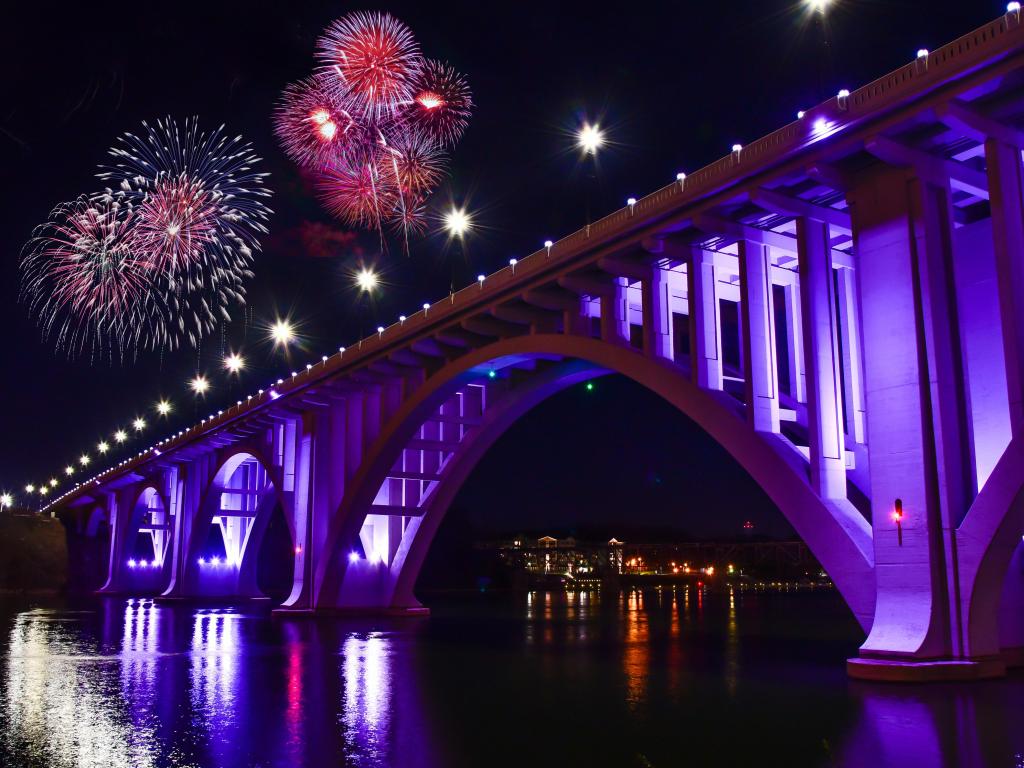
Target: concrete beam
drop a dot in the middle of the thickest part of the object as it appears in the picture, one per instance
(936, 169)
(978, 125)
(785, 205)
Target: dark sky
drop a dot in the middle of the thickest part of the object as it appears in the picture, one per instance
(673, 84)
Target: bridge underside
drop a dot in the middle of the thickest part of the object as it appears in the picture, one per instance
(840, 305)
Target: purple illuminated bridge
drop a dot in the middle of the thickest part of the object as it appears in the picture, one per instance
(872, 255)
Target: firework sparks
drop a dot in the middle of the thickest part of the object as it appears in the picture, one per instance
(313, 124)
(374, 58)
(201, 211)
(374, 122)
(442, 103)
(86, 279)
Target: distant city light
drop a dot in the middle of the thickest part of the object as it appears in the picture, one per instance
(234, 362)
(199, 385)
(282, 333)
(367, 280)
(589, 138)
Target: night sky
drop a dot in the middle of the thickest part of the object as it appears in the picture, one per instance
(674, 85)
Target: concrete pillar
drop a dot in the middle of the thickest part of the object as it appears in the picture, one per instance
(914, 396)
(309, 487)
(758, 330)
(853, 374)
(795, 341)
(824, 398)
(615, 313)
(1006, 200)
(657, 314)
(353, 433)
(705, 327)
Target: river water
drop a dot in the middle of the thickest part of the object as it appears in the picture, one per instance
(670, 677)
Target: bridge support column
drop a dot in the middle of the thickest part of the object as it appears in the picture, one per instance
(1006, 191)
(615, 312)
(705, 329)
(915, 405)
(795, 341)
(758, 326)
(849, 334)
(824, 402)
(657, 314)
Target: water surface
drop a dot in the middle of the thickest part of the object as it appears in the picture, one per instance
(638, 678)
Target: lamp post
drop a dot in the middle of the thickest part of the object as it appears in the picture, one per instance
(457, 222)
(589, 139)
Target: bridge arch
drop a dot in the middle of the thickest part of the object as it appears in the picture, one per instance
(837, 534)
(240, 499)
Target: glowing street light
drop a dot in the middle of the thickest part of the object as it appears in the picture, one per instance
(84, 460)
(457, 222)
(30, 488)
(282, 333)
(589, 138)
(120, 436)
(234, 362)
(163, 407)
(69, 470)
(367, 280)
(53, 482)
(139, 424)
(199, 385)
(6, 500)
(103, 446)
(818, 6)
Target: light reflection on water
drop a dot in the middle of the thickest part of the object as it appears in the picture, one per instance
(732, 675)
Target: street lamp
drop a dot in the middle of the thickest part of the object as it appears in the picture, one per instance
(282, 333)
(457, 222)
(234, 362)
(6, 501)
(163, 407)
(589, 138)
(199, 385)
(367, 280)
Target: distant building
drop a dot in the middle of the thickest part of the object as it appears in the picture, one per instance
(569, 557)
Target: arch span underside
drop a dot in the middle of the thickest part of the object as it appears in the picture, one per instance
(236, 509)
(837, 533)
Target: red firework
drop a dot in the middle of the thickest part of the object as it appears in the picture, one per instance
(375, 60)
(177, 224)
(442, 102)
(359, 193)
(312, 122)
(415, 162)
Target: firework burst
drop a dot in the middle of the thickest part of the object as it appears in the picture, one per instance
(442, 102)
(313, 122)
(201, 210)
(374, 59)
(87, 279)
(374, 122)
